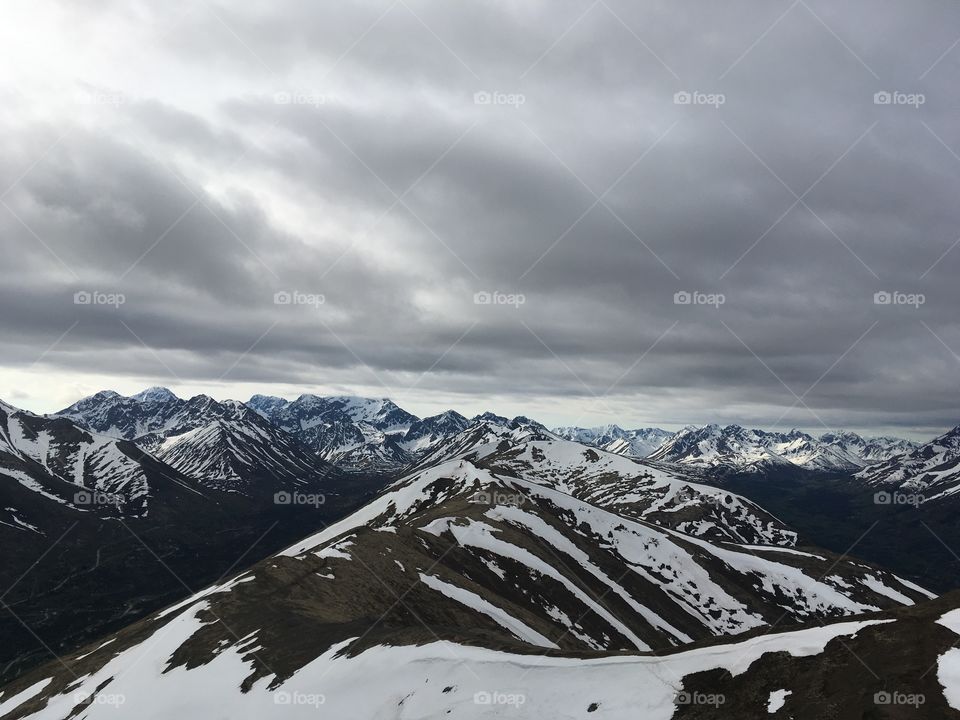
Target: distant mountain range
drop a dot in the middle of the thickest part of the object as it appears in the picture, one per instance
(929, 472)
(376, 434)
(736, 447)
(612, 438)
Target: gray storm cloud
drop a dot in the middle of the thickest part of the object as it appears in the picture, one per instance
(740, 212)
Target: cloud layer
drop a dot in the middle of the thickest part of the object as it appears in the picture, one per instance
(592, 167)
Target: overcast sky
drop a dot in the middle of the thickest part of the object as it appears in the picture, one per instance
(378, 164)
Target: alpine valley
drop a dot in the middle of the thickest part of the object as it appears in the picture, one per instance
(342, 557)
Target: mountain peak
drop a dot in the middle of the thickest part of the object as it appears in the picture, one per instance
(155, 394)
(491, 418)
(106, 395)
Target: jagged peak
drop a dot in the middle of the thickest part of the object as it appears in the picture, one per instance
(258, 398)
(491, 417)
(155, 394)
(106, 395)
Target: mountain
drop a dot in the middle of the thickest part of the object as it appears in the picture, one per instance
(369, 434)
(712, 446)
(868, 450)
(623, 485)
(929, 472)
(422, 435)
(109, 413)
(900, 513)
(224, 445)
(67, 465)
(486, 430)
(93, 525)
(733, 447)
(351, 432)
(612, 438)
(460, 592)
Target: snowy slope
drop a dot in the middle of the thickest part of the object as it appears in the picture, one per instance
(243, 455)
(636, 490)
(68, 465)
(439, 679)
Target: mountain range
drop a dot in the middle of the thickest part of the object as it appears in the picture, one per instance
(198, 486)
(929, 472)
(490, 558)
(499, 566)
(376, 434)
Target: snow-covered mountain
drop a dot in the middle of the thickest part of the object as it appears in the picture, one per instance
(621, 484)
(352, 432)
(745, 450)
(64, 463)
(713, 445)
(244, 453)
(368, 434)
(485, 431)
(930, 472)
(425, 434)
(868, 450)
(208, 484)
(631, 489)
(804, 674)
(152, 411)
(224, 445)
(467, 593)
(612, 438)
